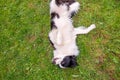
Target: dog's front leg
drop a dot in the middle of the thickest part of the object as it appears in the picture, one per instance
(59, 38)
(83, 30)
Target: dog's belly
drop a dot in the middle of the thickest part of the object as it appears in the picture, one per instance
(66, 50)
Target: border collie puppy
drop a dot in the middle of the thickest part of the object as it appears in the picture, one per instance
(63, 34)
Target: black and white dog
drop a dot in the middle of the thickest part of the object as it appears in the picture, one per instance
(63, 34)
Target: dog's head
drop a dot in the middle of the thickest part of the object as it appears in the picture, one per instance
(66, 62)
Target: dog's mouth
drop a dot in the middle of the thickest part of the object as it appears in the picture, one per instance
(54, 60)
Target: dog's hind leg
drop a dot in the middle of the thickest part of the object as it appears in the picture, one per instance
(84, 30)
(74, 8)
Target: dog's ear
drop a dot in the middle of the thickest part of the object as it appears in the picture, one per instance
(69, 61)
(66, 61)
(73, 61)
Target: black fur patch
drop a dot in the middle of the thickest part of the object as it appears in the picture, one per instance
(68, 2)
(69, 61)
(54, 14)
(53, 26)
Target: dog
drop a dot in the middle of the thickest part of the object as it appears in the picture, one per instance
(63, 34)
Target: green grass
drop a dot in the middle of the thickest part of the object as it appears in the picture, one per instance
(25, 51)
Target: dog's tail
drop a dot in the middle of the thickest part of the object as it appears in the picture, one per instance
(84, 30)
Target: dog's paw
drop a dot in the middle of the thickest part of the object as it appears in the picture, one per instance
(92, 26)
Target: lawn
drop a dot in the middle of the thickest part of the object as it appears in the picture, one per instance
(26, 53)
